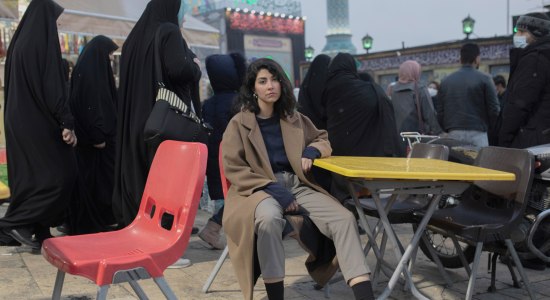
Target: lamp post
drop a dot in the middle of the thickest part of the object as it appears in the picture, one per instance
(309, 51)
(468, 26)
(367, 42)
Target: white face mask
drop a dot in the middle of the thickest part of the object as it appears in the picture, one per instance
(520, 41)
(432, 91)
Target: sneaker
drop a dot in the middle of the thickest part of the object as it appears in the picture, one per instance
(180, 264)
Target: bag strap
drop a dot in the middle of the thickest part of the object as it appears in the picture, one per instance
(163, 93)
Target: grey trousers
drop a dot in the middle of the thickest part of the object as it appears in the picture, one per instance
(476, 138)
(332, 219)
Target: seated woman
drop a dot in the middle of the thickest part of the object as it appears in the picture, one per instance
(268, 150)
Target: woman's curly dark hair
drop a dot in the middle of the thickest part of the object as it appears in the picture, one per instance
(286, 104)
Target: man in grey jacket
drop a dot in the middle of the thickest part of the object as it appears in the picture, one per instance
(468, 104)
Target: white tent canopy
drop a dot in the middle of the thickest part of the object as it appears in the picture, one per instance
(116, 18)
(9, 9)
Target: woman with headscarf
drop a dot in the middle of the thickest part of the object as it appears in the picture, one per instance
(412, 103)
(360, 118)
(137, 91)
(311, 102)
(93, 104)
(39, 129)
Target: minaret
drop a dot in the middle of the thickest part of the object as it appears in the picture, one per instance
(339, 33)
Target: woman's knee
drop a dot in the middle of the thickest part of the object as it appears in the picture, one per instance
(269, 216)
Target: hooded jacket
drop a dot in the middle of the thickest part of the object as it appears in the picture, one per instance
(226, 73)
(526, 114)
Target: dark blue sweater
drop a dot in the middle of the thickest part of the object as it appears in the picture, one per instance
(273, 140)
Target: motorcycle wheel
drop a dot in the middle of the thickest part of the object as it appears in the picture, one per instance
(445, 249)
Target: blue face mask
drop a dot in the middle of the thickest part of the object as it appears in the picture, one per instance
(181, 13)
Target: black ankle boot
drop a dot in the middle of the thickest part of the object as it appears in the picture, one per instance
(275, 291)
(363, 291)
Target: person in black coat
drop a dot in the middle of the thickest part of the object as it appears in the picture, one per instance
(93, 104)
(226, 73)
(360, 117)
(137, 91)
(39, 129)
(312, 104)
(311, 101)
(526, 112)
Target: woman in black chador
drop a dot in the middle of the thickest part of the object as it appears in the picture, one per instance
(311, 100)
(312, 103)
(137, 90)
(39, 128)
(360, 118)
(93, 104)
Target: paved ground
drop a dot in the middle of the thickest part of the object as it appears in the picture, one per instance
(27, 276)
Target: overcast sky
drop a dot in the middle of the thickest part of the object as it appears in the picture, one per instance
(415, 23)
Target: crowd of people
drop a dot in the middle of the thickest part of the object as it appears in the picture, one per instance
(77, 155)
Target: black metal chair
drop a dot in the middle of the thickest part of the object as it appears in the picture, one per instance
(401, 209)
(489, 211)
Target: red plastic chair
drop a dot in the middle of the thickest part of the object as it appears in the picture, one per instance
(144, 249)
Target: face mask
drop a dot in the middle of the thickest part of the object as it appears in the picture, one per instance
(433, 92)
(520, 41)
(181, 13)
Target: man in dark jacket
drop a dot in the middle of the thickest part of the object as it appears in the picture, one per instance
(468, 105)
(526, 114)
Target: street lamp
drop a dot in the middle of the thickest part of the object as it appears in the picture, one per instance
(309, 51)
(367, 42)
(468, 26)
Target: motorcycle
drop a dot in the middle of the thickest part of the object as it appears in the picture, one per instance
(529, 238)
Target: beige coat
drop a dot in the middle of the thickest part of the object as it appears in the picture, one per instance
(247, 167)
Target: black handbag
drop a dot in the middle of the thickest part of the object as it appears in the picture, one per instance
(171, 118)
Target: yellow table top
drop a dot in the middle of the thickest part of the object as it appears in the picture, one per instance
(407, 168)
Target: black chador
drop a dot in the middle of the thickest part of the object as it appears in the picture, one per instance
(137, 95)
(360, 118)
(41, 166)
(311, 99)
(93, 104)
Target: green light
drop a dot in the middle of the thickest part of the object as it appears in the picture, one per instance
(367, 41)
(468, 25)
(269, 57)
(515, 29)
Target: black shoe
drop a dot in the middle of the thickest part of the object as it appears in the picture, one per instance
(195, 230)
(22, 235)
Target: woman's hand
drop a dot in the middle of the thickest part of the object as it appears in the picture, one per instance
(293, 207)
(69, 137)
(306, 164)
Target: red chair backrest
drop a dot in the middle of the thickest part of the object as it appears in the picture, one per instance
(225, 183)
(174, 186)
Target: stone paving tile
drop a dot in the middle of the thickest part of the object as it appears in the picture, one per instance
(27, 276)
